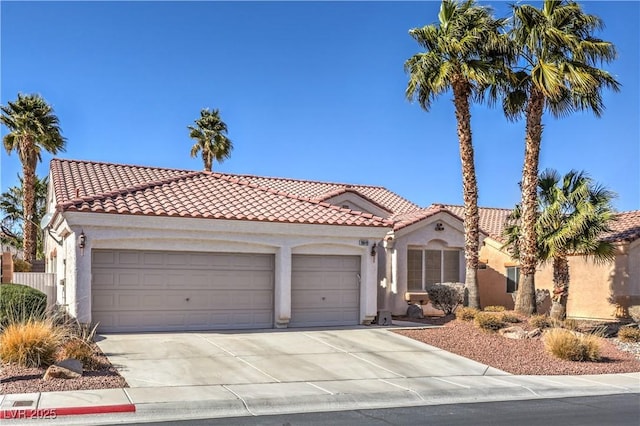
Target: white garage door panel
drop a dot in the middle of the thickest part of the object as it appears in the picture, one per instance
(152, 291)
(325, 290)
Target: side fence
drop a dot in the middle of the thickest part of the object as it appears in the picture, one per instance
(42, 281)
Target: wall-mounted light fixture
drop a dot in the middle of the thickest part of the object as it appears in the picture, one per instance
(439, 226)
(82, 241)
(373, 249)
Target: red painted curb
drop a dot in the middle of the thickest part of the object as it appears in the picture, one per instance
(52, 413)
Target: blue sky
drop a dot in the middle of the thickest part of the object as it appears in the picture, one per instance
(309, 90)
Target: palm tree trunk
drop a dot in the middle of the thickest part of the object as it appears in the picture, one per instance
(461, 93)
(560, 287)
(208, 161)
(29, 161)
(526, 296)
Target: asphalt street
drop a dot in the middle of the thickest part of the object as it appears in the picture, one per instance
(609, 410)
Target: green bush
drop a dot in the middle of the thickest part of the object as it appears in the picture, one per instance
(32, 343)
(19, 303)
(568, 345)
(20, 265)
(466, 314)
(489, 321)
(629, 334)
(446, 296)
(510, 318)
(540, 321)
(494, 308)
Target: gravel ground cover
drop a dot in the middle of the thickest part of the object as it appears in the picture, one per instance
(523, 356)
(16, 379)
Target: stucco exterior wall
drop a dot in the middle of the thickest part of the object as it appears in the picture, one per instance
(184, 234)
(492, 281)
(597, 291)
(423, 235)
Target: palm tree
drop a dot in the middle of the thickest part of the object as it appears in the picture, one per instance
(13, 213)
(210, 134)
(11, 222)
(33, 126)
(462, 53)
(573, 212)
(558, 72)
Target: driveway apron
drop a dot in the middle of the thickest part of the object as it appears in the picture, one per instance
(275, 356)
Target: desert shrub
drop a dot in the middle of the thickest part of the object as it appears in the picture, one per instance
(73, 329)
(494, 308)
(571, 324)
(568, 345)
(634, 313)
(629, 334)
(489, 321)
(446, 296)
(80, 350)
(31, 343)
(540, 321)
(466, 314)
(20, 303)
(20, 265)
(510, 317)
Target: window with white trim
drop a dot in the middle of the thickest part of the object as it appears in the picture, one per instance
(427, 267)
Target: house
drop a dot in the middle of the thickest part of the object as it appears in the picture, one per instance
(142, 249)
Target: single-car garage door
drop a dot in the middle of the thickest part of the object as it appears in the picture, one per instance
(325, 290)
(162, 291)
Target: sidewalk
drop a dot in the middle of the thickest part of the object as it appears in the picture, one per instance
(297, 397)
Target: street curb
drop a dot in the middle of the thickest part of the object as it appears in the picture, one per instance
(51, 413)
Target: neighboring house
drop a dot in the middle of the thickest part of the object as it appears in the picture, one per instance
(142, 248)
(596, 291)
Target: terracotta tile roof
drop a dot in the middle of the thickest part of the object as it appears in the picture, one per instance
(112, 188)
(626, 227)
(321, 191)
(492, 220)
(402, 220)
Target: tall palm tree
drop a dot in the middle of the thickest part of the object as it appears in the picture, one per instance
(33, 126)
(13, 213)
(210, 134)
(557, 71)
(573, 212)
(461, 54)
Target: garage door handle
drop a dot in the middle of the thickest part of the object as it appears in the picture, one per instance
(324, 298)
(187, 299)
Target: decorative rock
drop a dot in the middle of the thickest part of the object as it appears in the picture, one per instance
(415, 311)
(534, 333)
(66, 369)
(514, 332)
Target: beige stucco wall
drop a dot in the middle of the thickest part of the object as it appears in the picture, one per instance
(492, 281)
(598, 291)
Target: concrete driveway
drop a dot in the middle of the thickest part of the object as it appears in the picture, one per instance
(274, 356)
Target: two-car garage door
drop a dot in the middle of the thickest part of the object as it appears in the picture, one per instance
(134, 290)
(162, 291)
